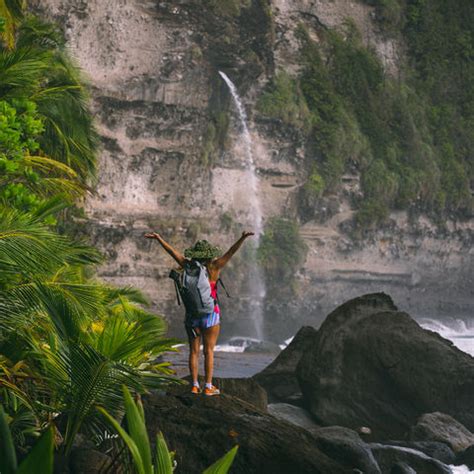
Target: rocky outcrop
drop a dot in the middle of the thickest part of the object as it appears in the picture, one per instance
(375, 366)
(466, 457)
(344, 444)
(443, 428)
(279, 378)
(246, 389)
(171, 161)
(201, 429)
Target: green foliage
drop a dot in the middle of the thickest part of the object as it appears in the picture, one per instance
(214, 136)
(411, 139)
(371, 214)
(282, 251)
(37, 68)
(137, 442)
(39, 459)
(315, 184)
(226, 221)
(283, 99)
(67, 341)
(389, 14)
(230, 8)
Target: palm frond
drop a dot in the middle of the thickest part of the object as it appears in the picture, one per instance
(21, 71)
(34, 32)
(47, 165)
(69, 135)
(27, 246)
(50, 207)
(12, 12)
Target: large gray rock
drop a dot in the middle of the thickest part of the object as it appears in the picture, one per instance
(246, 389)
(443, 428)
(466, 457)
(293, 414)
(375, 366)
(279, 378)
(201, 429)
(346, 446)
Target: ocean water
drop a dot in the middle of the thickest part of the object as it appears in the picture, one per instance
(459, 331)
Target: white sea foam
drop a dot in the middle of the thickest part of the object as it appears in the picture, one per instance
(460, 470)
(236, 344)
(460, 332)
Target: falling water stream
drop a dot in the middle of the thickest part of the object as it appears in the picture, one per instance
(256, 280)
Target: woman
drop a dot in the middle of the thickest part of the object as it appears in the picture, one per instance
(205, 327)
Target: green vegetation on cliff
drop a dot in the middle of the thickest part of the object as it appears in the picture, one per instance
(410, 137)
(281, 251)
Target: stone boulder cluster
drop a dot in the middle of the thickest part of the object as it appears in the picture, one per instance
(369, 392)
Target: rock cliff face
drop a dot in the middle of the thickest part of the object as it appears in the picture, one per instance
(171, 160)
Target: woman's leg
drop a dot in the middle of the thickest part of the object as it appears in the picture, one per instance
(194, 345)
(209, 342)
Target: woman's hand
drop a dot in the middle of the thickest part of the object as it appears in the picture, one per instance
(246, 234)
(152, 235)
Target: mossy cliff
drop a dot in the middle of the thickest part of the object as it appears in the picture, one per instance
(361, 115)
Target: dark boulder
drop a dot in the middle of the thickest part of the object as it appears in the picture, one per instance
(246, 389)
(375, 366)
(293, 414)
(443, 428)
(201, 429)
(89, 461)
(466, 457)
(279, 378)
(346, 446)
(392, 458)
(402, 468)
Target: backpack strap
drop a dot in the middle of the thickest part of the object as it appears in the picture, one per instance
(177, 293)
(219, 280)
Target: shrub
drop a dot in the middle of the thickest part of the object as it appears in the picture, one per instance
(282, 250)
(283, 99)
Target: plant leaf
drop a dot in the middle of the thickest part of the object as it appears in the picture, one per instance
(164, 463)
(8, 462)
(137, 429)
(222, 465)
(40, 458)
(128, 440)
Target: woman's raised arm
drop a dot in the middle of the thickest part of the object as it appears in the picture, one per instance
(178, 256)
(220, 262)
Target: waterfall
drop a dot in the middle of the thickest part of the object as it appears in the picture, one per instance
(256, 218)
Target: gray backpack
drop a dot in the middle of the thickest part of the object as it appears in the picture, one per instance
(194, 288)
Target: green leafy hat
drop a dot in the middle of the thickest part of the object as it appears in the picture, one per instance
(202, 249)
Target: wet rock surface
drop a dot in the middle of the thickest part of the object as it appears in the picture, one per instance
(466, 457)
(279, 378)
(393, 458)
(435, 449)
(375, 366)
(246, 389)
(444, 428)
(346, 445)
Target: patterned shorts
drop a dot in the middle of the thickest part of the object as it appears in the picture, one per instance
(203, 322)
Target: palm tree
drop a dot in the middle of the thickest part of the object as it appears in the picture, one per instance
(34, 65)
(84, 338)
